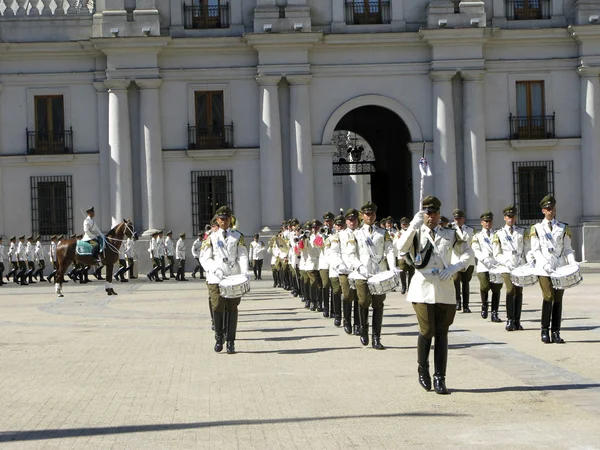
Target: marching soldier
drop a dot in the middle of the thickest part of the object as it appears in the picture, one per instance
(153, 250)
(122, 266)
(484, 251)
(551, 246)
(407, 269)
(311, 250)
(333, 253)
(257, 254)
(170, 253)
(30, 256)
(12, 257)
(160, 245)
(223, 254)
(272, 249)
(463, 278)
(22, 260)
(41, 257)
(52, 256)
(348, 253)
(196, 245)
(432, 249)
(325, 232)
(1, 262)
(373, 248)
(511, 245)
(130, 254)
(180, 255)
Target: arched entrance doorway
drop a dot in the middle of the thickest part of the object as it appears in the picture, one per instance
(391, 185)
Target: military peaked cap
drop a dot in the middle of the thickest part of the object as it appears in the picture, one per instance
(510, 210)
(368, 207)
(182, 235)
(256, 235)
(432, 203)
(90, 210)
(169, 232)
(351, 213)
(294, 222)
(316, 223)
(30, 238)
(38, 237)
(328, 216)
(405, 220)
(22, 236)
(444, 219)
(548, 201)
(223, 212)
(155, 233)
(488, 215)
(13, 238)
(339, 220)
(458, 213)
(389, 219)
(53, 237)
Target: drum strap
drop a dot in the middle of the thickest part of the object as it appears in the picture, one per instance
(436, 250)
(486, 241)
(509, 239)
(376, 259)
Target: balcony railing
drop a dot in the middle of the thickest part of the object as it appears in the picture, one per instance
(206, 17)
(368, 13)
(528, 9)
(532, 127)
(212, 137)
(49, 142)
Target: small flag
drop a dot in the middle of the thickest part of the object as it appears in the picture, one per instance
(424, 168)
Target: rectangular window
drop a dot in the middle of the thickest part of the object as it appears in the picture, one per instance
(528, 9)
(51, 206)
(367, 12)
(210, 130)
(205, 14)
(532, 181)
(49, 136)
(531, 121)
(210, 190)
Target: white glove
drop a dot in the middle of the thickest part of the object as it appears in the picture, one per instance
(219, 274)
(363, 271)
(530, 258)
(509, 265)
(342, 268)
(248, 275)
(571, 259)
(396, 270)
(417, 220)
(548, 268)
(446, 274)
(489, 262)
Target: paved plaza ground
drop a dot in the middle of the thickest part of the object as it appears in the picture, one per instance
(139, 371)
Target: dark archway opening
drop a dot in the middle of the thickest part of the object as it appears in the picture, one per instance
(388, 136)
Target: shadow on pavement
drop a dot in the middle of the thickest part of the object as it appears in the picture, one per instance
(57, 433)
(289, 338)
(552, 387)
(276, 330)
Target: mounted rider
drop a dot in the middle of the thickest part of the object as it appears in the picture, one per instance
(91, 232)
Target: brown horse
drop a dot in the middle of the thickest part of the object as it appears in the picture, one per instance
(65, 255)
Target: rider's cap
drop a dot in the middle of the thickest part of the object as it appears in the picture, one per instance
(90, 210)
(548, 201)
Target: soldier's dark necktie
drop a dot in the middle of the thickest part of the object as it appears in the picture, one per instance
(370, 229)
(550, 225)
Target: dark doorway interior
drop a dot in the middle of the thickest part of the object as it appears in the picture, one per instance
(388, 136)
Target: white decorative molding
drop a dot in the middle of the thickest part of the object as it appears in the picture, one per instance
(533, 143)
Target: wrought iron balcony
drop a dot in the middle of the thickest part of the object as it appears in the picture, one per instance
(532, 127)
(205, 17)
(368, 12)
(49, 142)
(209, 138)
(528, 9)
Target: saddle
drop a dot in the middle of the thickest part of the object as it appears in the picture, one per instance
(85, 248)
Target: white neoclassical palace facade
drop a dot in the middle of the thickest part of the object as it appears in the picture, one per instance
(161, 110)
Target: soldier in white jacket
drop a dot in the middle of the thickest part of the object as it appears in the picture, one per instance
(1, 262)
(325, 231)
(196, 246)
(373, 249)
(180, 256)
(257, 254)
(463, 278)
(310, 246)
(41, 258)
(223, 254)
(12, 258)
(484, 251)
(438, 254)
(52, 256)
(337, 267)
(551, 247)
(511, 246)
(30, 256)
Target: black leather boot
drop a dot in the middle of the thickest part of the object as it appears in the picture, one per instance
(466, 297)
(403, 282)
(556, 319)
(457, 293)
(546, 313)
(484, 304)
(218, 327)
(518, 304)
(495, 306)
(377, 323)
(98, 273)
(545, 335)
(30, 275)
(440, 359)
(347, 317)
(232, 320)
(337, 307)
(325, 299)
(364, 325)
(356, 318)
(510, 308)
(423, 348)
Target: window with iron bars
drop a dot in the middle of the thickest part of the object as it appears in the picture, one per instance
(532, 181)
(211, 189)
(51, 206)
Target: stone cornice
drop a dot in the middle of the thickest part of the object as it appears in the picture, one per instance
(285, 41)
(541, 36)
(211, 155)
(529, 65)
(229, 73)
(117, 84)
(588, 72)
(100, 87)
(268, 80)
(442, 75)
(472, 75)
(299, 79)
(48, 79)
(373, 39)
(360, 70)
(148, 83)
(573, 143)
(584, 33)
(17, 50)
(219, 44)
(127, 44)
(456, 36)
(49, 160)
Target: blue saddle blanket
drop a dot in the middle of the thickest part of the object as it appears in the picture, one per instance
(84, 248)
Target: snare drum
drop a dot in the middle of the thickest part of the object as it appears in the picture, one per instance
(496, 274)
(352, 277)
(234, 286)
(523, 276)
(383, 282)
(566, 277)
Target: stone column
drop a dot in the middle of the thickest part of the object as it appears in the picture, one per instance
(271, 168)
(398, 14)
(339, 13)
(119, 141)
(151, 164)
(590, 142)
(302, 176)
(444, 142)
(104, 149)
(474, 141)
(1, 190)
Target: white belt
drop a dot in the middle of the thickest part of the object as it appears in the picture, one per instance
(435, 270)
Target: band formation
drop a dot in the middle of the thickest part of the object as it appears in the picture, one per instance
(344, 266)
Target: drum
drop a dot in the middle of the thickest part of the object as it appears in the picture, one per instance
(352, 277)
(234, 286)
(566, 277)
(523, 276)
(496, 274)
(383, 282)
